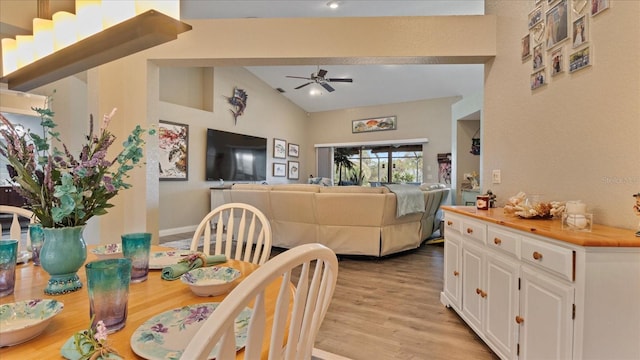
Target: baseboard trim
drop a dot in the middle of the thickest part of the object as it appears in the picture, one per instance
(180, 230)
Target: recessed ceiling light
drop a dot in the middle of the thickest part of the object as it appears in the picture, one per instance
(333, 4)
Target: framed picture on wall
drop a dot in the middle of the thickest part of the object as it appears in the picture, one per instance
(538, 79)
(579, 59)
(294, 150)
(557, 24)
(598, 6)
(173, 154)
(526, 46)
(279, 149)
(580, 31)
(294, 170)
(557, 62)
(279, 170)
(535, 17)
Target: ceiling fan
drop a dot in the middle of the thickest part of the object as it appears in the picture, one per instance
(319, 78)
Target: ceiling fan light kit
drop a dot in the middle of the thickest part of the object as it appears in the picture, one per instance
(333, 4)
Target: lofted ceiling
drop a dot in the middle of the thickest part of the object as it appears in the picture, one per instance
(372, 84)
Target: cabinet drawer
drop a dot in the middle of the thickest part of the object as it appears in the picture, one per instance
(504, 241)
(554, 258)
(452, 223)
(474, 230)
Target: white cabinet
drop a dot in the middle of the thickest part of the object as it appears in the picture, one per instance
(535, 297)
(546, 317)
(501, 304)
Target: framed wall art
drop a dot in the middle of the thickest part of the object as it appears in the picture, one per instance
(535, 17)
(580, 31)
(538, 79)
(279, 170)
(294, 170)
(598, 6)
(579, 59)
(293, 150)
(279, 149)
(557, 62)
(173, 157)
(526, 46)
(557, 24)
(538, 59)
(374, 124)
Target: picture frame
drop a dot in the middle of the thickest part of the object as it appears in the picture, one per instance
(538, 79)
(538, 58)
(557, 62)
(580, 31)
(557, 19)
(279, 170)
(294, 170)
(293, 150)
(578, 6)
(526, 46)
(535, 17)
(598, 6)
(173, 154)
(279, 149)
(374, 124)
(580, 59)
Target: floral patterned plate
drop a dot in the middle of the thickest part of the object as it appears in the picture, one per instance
(160, 259)
(212, 280)
(166, 335)
(108, 251)
(23, 320)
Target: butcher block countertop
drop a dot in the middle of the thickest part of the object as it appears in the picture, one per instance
(600, 236)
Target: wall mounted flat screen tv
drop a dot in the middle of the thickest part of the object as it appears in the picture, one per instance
(235, 157)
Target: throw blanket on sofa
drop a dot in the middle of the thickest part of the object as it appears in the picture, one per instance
(409, 199)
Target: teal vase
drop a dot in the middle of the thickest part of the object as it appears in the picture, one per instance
(62, 255)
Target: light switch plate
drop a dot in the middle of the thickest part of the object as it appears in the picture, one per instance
(496, 177)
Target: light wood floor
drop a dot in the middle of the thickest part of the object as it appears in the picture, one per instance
(390, 309)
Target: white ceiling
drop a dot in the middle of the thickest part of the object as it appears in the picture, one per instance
(372, 84)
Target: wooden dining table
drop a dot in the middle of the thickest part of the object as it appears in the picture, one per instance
(146, 299)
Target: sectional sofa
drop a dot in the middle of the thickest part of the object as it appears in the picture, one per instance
(350, 220)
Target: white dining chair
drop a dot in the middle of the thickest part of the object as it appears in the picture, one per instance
(17, 214)
(316, 268)
(237, 225)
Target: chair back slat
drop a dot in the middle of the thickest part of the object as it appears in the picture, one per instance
(302, 318)
(242, 232)
(15, 229)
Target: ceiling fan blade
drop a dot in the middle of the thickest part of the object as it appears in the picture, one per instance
(303, 85)
(339, 80)
(321, 73)
(299, 77)
(327, 86)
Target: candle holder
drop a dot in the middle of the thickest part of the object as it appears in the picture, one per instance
(577, 221)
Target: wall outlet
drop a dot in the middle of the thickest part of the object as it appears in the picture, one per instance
(496, 177)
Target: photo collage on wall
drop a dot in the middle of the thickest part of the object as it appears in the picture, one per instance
(283, 150)
(558, 39)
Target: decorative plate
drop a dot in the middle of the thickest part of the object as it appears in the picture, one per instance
(23, 320)
(108, 251)
(165, 336)
(160, 259)
(211, 281)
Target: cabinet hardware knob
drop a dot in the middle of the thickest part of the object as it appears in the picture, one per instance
(449, 222)
(519, 319)
(483, 294)
(469, 230)
(478, 291)
(455, 273)
(537, 255)
(497, 241)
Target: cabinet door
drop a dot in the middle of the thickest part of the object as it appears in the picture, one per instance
(472, 292)
(452, 269)
(501, 304)
(546, 317)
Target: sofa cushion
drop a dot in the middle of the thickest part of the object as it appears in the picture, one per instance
(297, 187)
(251, 187)
(354, 190)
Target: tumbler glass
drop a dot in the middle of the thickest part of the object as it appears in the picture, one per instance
(8, 258)
(108, 285)
(136, 247)
(37, 240)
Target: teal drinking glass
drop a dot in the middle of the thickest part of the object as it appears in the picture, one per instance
(37, 240)
(136, 247)
(8, 258)
(108, 285)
